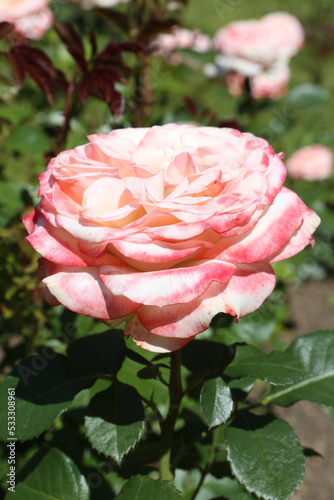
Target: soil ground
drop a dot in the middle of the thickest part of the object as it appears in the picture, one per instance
(311, 311)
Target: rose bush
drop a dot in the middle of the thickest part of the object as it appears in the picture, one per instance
(31, 19)
(260, 50)
(165, 227)
(314, 162)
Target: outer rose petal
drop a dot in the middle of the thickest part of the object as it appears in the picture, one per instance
(170, 286)
(81, 291)
(154, 343)
(245, 292)
(59, 246)
(157, 252)
(301, 238)
(270, 234)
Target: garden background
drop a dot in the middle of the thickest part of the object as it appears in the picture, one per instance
(303, 300)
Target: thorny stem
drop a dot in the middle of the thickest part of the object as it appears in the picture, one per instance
(167, 426)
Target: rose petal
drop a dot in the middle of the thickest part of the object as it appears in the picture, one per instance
(244, 293)
(170, 286)
(154, 343)
(81, 291)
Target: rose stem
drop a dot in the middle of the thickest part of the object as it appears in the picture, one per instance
(167, 426)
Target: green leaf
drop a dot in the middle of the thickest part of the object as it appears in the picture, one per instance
(149, 372)
(56, 476)
(87, 326)
(278, 368)
(308, 96)
(244, 384)
(115, 421)
(228, 488)
(265, 456)
(254, 329)
(316, 352)
(201, 356)
(145, 488)
(45, 387)
(99, 353)
(216, 401)
(29, 139)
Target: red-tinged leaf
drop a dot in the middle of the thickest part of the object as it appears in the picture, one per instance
(230, 123)
(191, 106)
(112, 50)
(116, 18)
(43, 79)
(113, 72)
(32, 55)
(73, 42)
(111, 96)
(5, 29)
(116, 104)
(132, 47)
(60, 80)
(17, 67)
(108, 59)
(93, 43)
(84, 87)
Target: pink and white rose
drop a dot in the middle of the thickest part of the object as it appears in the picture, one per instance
(165, 227)
(261, 51)
(314, 162)
(30, 18)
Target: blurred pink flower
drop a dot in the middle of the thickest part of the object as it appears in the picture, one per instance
(260, 50)
(272, 38)
(314, 162)
(30, 18)
(165, 227)
(271, 84)
(166, 45)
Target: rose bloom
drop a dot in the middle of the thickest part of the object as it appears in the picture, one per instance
(260, 50)
(165, 227)
(314, 162)
(276, 36)
(30, 18)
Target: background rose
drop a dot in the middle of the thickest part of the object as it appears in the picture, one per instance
(314, 162)
(31, 19)
(166, 44)
(260, 50)
(166, 227)
(276, 36)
